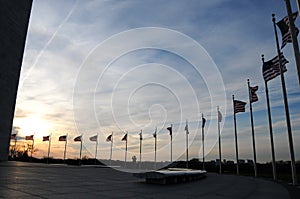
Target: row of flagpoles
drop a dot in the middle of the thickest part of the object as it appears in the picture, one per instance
(270, 69)
(124, 138)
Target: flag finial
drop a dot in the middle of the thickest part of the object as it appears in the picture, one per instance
(273, 17)
(263, 58)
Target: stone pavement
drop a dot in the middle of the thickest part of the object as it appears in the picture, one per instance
(33, 180)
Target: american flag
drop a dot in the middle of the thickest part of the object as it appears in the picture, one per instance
(109, 138)
(283, 25)
(155, 133)
(186, 128)
(78, 139)
(62, 138)
(253, 95)
(271, 68)
(219, 116)
(94, 138)
(29, 137)
(46, 138)
(203, 122)
(124, 138)
(141, 135)
(13, 136)
(170, 130)
(239, 106)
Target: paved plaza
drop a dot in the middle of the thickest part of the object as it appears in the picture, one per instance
(33, 180)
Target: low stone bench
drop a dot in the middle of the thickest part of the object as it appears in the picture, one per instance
(171, 176)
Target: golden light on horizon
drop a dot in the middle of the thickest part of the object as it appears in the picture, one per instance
(33, 125)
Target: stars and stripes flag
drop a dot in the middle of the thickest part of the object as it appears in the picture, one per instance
(203, 122)
(271, 68)
(29, 137)
(186, 128)
(141, 135)
(239, 106)
(283, 25)
(46, 138)
(109, 138)
(253, 95)
(170, 130)
(124, 138)
(94, 138)
(155, 133)
(13, 136)
(62, 138)
(78, 139)
(219, 116)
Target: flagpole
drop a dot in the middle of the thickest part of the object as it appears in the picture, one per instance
(220, 157)
(126, 148)
(65, 148)
(236, 142)
(49, 144)
(111, 146)
(31, 149)
(252, 129)
(270, 128)
(203, 158)
(141, 149)
(187, 145)
(294, 36)
(155, 142)
(96, 150)
(286, 106)
(271, 133)
(171, 141)
(80, 147)
(15, 145)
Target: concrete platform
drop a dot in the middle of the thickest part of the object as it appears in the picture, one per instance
(171, 176)
(31, 180)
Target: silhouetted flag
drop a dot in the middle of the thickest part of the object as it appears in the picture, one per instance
(271, 68)
(94, 138)
(186, 128)
(46, 138)
(124, 138)
(239, 106)
(283, 25)
(170, 129)
(203, 122)
(141, 135)
(155, 133)
(109, 138)
(77, 139)
(29, 137)
(62, 138)
(219, 116)
(13, 136)
(253, 95)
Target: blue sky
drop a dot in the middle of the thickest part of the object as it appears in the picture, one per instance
(100, 66)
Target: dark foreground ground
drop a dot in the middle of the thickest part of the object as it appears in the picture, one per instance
(33, 180)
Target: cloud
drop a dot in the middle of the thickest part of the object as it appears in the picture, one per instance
(62, 80)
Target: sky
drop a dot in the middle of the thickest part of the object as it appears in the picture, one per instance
(97, 67)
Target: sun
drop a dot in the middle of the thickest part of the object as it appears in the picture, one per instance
(33, 125)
